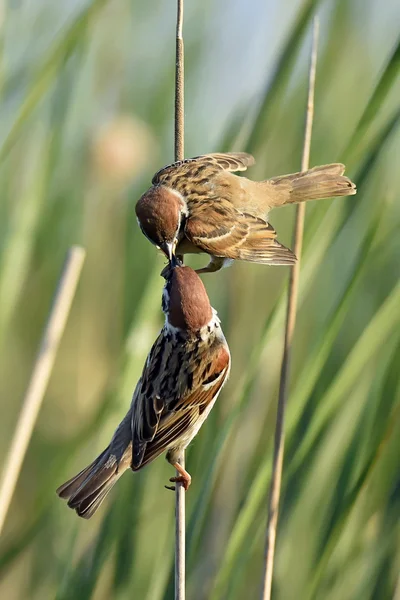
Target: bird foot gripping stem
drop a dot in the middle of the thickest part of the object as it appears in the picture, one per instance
(184, 478)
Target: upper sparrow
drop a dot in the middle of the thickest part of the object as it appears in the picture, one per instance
(182, 377)
(199, 205)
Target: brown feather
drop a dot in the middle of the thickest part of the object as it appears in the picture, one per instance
(189, 307)
(70, 487)
(232, 234)
(178, 418)
(325, 181)
(87, 490)
(232, 161)
(204, 164)
(88, 506)
(158, 213)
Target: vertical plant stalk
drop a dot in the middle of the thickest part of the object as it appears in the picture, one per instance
(179, 86)
(397, 590)
(279, 441)
(40, 376)
(180, 518)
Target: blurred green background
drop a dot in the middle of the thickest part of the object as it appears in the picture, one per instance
(86, 91)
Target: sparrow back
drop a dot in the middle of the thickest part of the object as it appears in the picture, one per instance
(200, 205)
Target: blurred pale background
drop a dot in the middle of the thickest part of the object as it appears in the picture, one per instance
(86, 109)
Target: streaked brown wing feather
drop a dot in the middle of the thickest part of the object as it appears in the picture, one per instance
(175, 423)
(232, 161)
(222, 230)
(178, 412)
(207, 164)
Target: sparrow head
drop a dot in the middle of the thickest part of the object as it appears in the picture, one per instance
(159, 213)
(185, 301)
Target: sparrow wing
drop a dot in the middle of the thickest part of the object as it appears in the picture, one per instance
(231, 161)
(222, 230)
(163, 416)
(205, 166)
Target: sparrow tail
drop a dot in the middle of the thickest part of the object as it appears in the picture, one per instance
(326, 181)
(87, 490)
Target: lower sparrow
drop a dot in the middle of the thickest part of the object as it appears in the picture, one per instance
(182, 377)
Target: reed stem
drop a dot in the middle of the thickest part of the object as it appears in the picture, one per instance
(180, 550)
(279, 440)
(40, 376)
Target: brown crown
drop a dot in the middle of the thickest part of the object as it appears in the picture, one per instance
(189, 306)
(158, 214)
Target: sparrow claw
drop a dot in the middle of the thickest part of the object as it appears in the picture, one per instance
(184, 477)
(170, 487)
(216, 263)
(185, 481)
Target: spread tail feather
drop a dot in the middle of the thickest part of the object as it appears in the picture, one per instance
(87, 490)
(326, 181)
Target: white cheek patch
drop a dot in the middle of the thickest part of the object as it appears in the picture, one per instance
(170, 328)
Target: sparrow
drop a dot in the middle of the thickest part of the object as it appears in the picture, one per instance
(200, 205)
(181, 380)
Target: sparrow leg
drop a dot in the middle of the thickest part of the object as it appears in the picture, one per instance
(216, 263)
(183, 477)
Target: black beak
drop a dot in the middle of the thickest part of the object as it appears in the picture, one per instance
(167, 248)
(173, 261)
